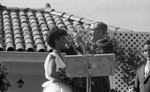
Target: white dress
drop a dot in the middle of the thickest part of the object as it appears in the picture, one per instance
(50, 86)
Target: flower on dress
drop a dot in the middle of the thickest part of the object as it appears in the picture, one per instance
(75, 83)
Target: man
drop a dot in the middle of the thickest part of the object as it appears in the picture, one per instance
(142, 79)
(99, 29)
(102, 83)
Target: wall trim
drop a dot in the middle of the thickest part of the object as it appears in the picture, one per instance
(37, 57)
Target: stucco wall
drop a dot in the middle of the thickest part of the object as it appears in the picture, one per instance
(32, 83)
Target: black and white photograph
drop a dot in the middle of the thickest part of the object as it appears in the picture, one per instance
(74, 46)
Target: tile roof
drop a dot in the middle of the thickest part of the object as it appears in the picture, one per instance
(26, 29)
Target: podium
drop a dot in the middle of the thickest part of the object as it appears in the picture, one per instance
(90, 65)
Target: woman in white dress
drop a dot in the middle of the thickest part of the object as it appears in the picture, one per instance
(54, 63)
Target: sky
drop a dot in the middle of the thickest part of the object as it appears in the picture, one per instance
(127, 14)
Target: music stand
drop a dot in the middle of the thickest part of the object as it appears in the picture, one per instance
(90, 65)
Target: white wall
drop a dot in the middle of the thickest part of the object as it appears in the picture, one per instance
(32, 83)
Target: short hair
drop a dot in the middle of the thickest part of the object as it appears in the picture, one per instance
(55, 34)
(147, 42)
(99, 26)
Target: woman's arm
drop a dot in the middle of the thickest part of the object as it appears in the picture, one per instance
(52, 69)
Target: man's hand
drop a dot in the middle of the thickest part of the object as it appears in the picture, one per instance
(79, 40)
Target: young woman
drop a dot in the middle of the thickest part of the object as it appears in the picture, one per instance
(54, 64)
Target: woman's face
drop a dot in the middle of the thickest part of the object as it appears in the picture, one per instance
(61, 42)
(147, 51)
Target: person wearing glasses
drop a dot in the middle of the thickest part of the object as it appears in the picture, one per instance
(142, 78)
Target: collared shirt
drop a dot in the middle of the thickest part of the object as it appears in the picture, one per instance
(147, 68)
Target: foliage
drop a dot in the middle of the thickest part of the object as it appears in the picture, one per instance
(75, 83)
(4, 82)
(3, 71)
(128, 59)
